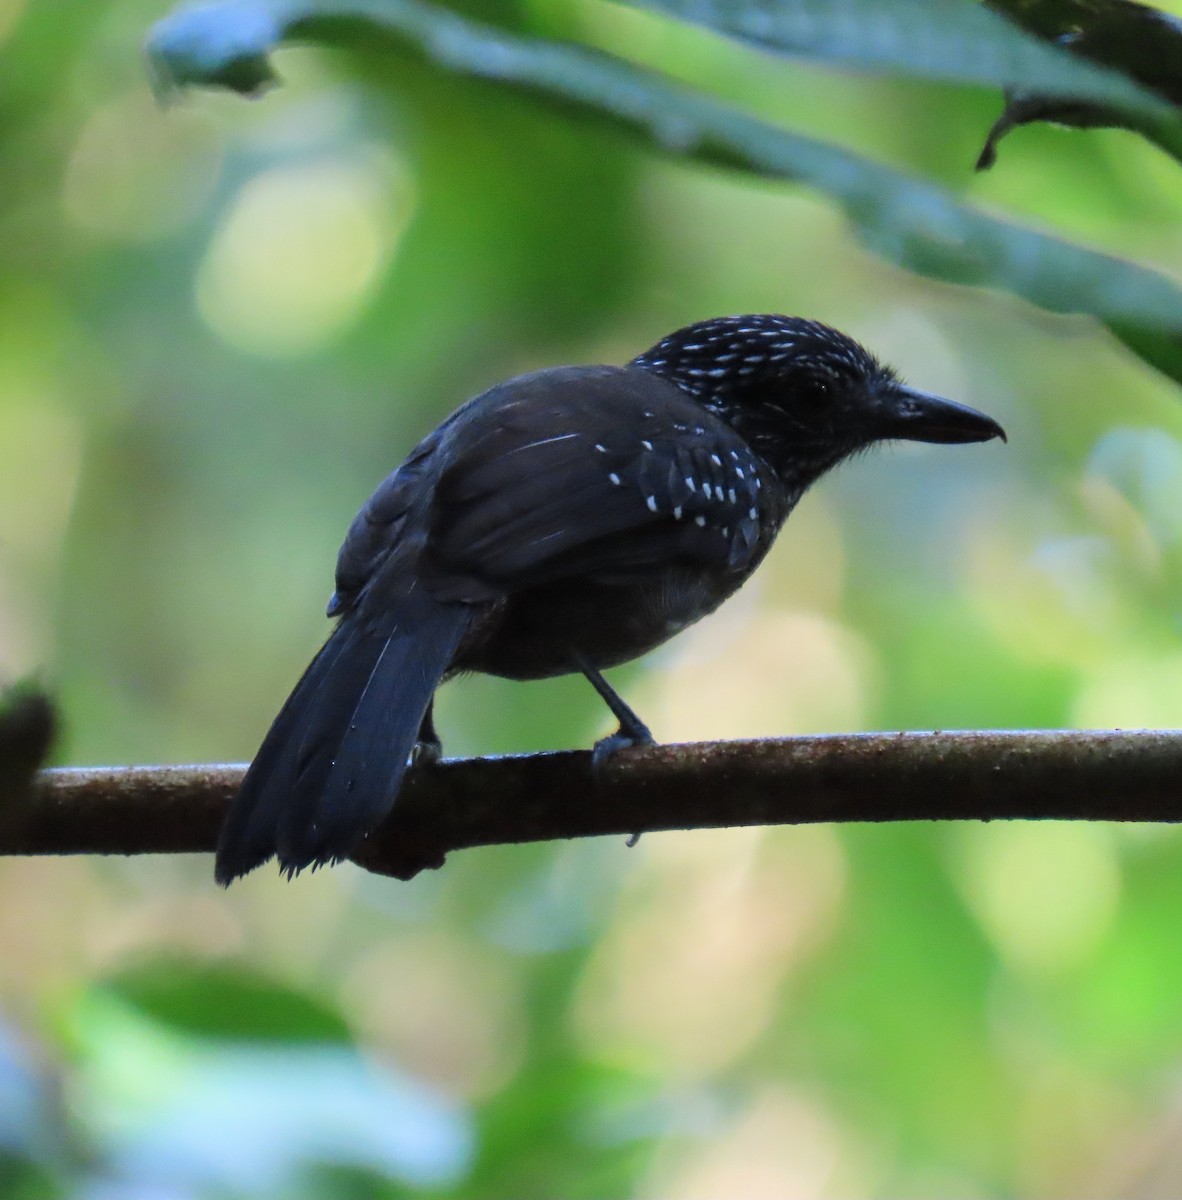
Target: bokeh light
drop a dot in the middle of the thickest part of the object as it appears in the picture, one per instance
(300, 251)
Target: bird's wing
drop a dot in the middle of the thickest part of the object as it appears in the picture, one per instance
(381, 526)
(570, 473)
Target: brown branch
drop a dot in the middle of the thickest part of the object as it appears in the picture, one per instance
(1097, 775)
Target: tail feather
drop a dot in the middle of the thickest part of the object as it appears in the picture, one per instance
(247, 838)
(330, 766)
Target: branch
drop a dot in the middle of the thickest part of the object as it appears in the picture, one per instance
(1095, 775)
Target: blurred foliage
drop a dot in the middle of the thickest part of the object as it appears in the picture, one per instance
(221, 323)
(904, 220)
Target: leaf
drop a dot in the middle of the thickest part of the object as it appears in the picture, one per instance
(1142, 43)
(184, 1116)
(226, 1002)
(217, 44)
(958, 42)
(1026, 108)
(905, 220)
(1100, 58)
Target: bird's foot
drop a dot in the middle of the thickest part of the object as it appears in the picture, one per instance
(638, 735)
(634, 735)
(632, 731)
(426, 753)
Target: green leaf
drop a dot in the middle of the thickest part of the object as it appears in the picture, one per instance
(222, 1002)
(957, 42)
(1060, 58)
(1140, 42)
(905, 220)
(220, 44)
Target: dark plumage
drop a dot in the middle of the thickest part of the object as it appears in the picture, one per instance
(566, 520)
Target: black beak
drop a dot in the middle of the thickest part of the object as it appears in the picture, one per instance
(921, 417)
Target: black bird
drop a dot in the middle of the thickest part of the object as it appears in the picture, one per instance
(566, 520)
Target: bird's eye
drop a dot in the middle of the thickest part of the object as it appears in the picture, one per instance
(812, 392)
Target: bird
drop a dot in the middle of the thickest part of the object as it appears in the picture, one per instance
(565, 521)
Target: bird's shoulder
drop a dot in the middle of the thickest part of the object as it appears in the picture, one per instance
(559, 472)
(575, 420)
(490, 424)
(605, 472)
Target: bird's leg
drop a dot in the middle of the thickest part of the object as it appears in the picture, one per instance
(632, 731)
(428, 748)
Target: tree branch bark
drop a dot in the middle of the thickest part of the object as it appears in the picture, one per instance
(1106, 775)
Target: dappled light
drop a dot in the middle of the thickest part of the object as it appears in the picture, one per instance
(780, 1144)
(690, 975)
(1045, 895)
(137, 172)
(300, 251)
(777, 672)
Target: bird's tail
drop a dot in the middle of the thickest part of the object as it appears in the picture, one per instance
(330, 766)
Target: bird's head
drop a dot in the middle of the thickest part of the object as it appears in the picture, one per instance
(804, 395)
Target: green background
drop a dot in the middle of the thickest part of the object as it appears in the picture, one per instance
(223, 321)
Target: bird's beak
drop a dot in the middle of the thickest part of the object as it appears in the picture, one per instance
(921, 417)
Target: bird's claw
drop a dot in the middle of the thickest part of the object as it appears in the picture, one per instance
(638, 735)
(426, 753)
(620, 740)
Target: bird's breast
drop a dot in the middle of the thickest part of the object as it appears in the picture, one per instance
(541, 631)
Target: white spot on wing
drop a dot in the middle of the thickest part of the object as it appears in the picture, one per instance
(614, 478)
(699, 520)
(561, 437)
(651, 501)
